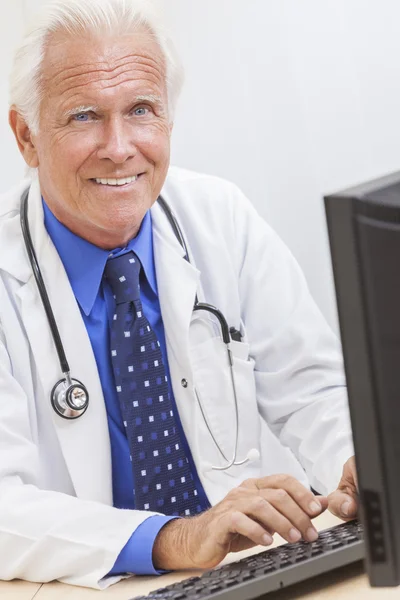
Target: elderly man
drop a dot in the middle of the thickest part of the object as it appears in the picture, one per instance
(155, 451)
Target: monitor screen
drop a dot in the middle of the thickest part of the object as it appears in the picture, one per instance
(364, 235)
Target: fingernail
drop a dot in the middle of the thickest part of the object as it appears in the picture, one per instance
(311, 534)
(294, 535)
(267, 539)
(315, 507)
(345, 508)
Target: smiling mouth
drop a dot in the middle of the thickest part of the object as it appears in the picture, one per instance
(113, 182)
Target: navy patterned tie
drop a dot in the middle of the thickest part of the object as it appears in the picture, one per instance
(161, 473)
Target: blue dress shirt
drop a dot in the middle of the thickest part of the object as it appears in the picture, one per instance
(84, 264)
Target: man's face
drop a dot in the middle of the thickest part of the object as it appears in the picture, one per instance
(104, 116)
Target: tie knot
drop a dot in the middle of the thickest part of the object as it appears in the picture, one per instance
(122, 274)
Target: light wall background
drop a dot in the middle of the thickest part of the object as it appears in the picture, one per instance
(11, 25)
(290, 99)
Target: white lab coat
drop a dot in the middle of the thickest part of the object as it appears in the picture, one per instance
(56, 515)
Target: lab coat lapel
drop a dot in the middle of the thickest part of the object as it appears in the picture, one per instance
(177, 282)
(84, 441)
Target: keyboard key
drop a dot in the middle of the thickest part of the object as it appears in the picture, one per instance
(215, 587)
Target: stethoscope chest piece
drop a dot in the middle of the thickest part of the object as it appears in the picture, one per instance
(69, 398)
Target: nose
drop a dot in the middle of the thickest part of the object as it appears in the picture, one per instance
(117, 143)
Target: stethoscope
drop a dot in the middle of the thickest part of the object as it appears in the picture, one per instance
(70, 398)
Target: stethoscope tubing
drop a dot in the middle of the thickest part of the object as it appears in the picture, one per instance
(40, 284)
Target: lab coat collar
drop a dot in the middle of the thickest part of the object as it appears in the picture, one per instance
(15, 261)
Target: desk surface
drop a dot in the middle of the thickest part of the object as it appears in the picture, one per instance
(18, 590)
(347, 583)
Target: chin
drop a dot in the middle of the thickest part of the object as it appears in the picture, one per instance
(119, 231)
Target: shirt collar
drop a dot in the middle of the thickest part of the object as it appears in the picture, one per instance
(84, 262)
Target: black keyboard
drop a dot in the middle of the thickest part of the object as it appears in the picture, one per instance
(272, 569)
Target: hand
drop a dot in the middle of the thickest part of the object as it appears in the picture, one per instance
(343, 502)
(249, 515)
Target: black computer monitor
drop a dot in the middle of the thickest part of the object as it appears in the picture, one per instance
(364, 233)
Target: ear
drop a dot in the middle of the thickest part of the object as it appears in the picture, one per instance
(23, 136)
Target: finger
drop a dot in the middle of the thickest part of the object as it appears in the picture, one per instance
(352, 473)
(343, 505)
(261, 510)
(310, 503)
(250, 529)
(323, 500)
(286, 506)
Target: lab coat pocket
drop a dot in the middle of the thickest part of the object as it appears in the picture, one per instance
(216, 434)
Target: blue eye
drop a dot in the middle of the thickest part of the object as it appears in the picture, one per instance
(141, 110)
(82, 117)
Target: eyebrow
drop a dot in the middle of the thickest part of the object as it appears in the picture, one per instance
(80, 109)
(148, 98)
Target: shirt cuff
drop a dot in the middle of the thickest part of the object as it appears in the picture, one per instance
(136, 556)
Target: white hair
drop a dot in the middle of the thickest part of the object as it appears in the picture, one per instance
(77, 17)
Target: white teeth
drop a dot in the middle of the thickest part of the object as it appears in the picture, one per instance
(122, 181)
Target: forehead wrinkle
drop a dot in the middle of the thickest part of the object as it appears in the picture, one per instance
(105, 70)
(140, 76)
(76, 90)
